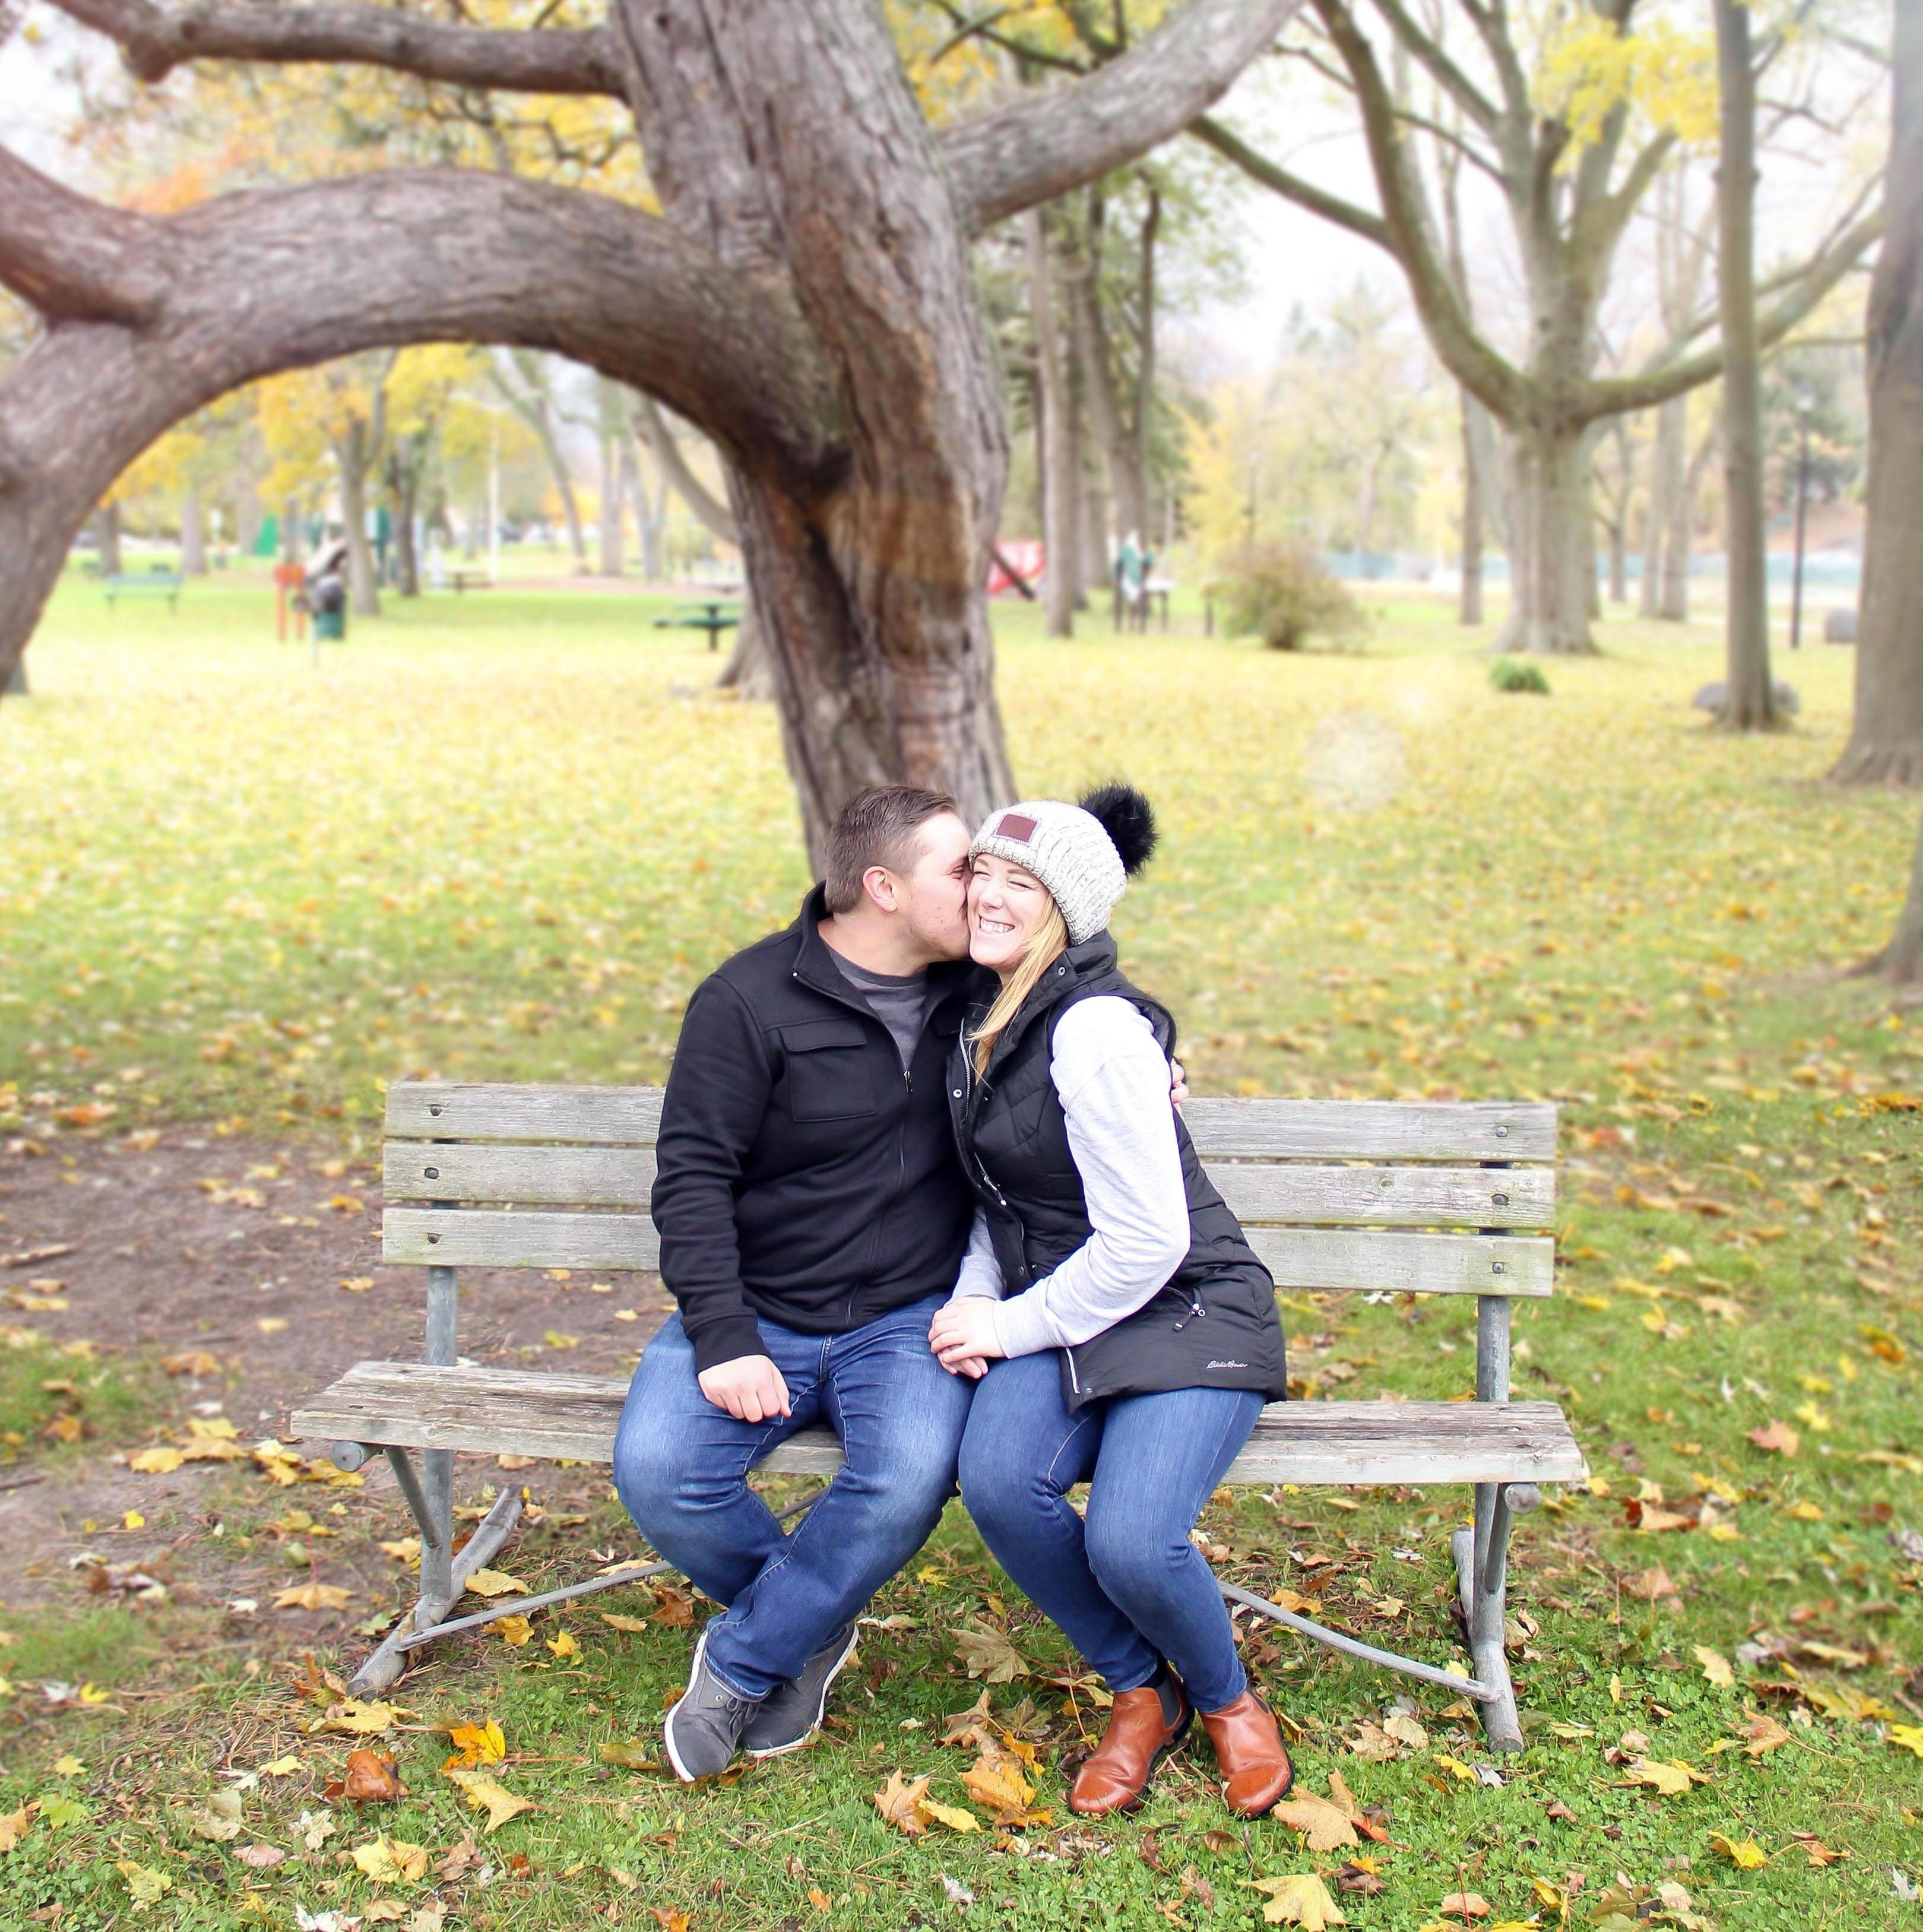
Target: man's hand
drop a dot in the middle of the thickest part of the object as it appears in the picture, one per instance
(748, 1387)
(963, 1336)
(1176, 1075)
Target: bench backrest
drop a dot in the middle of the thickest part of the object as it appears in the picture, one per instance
(1433, 1197)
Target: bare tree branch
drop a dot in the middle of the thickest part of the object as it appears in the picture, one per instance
(155, 40)
(1457, 85)
(715, 516)
(1060, 139)
(1291, 187)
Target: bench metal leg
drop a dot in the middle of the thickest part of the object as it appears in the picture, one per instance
(1481, 1551)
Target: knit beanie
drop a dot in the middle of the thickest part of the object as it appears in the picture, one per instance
(1083, 854)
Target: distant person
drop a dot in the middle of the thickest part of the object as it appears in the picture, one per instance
(1116, 1326)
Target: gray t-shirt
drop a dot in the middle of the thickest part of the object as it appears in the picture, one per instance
(902, 1003)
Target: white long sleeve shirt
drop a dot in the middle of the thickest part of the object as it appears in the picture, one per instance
(1114, 1086)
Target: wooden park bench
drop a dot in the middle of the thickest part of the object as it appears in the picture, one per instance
(159, 583)
(1438, 1197)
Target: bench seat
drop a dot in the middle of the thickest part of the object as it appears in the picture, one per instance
(516, 1411)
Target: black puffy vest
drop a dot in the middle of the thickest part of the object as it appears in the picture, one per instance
(1213, 1325)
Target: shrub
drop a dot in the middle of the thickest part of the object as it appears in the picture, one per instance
(1514, 674)
(1282, 593)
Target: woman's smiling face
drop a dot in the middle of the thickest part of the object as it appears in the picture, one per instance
(1005, 905)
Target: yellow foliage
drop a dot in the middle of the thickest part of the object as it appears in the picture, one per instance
(1590, 68)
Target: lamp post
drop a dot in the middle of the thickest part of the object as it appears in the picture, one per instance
(1804, 400)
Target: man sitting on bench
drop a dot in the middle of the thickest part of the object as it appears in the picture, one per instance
(812, 1214)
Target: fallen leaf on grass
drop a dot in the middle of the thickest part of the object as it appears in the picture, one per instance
(1673, 1777)
(476, 1744)
(196, 1362)
(1302, 1900)
(1326, 1827)
(952, 1816)
(14, 1826)
(282, 1767)
(515, 1630)
(483, 1791)
(1717, 1666)
(1456, 1768)
(999, 1783)
(628, 1753)
(1465, 1905)
(219, 1819)
(1761, 1733)
(370, 1778)
(145, 1885)
(676, 1609)
(671, 1921)
(1746, 1855)
(388, 1860)
(487, 1583)
(261, 1858)
(1360, 1875)
(1776, 1438)
(356, 1719)
(313, 1597)
(623, 1623)
(1648, 1519)
(987, 1653)
(157, 1461)
(1652, 1586)
(563, 1645)
(1907, 1737)
(898, 1803)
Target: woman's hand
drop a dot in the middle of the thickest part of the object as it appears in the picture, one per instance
(964, 1336)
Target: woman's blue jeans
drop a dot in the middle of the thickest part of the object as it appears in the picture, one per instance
(1126, 1586)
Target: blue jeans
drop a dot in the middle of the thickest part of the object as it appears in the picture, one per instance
(1126, 1586)
(681, 1465)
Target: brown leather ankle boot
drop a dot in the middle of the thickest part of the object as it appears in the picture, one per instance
(1255, 1769)
(1115, 1778)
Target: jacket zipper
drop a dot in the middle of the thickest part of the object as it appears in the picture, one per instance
(1194, 1308)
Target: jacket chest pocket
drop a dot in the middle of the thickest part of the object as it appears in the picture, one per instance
(828, 1075)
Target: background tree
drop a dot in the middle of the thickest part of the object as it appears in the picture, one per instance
(1887, 744)
(1570, 117)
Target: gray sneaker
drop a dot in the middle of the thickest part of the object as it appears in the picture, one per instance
(702, 1729)
(789, 1715)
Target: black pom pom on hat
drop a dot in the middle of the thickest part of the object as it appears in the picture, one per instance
(1127, 818)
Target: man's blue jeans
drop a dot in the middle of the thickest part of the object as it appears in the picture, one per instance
(681, 1464)
(1126, 1585)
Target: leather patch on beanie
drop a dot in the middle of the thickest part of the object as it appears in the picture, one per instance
(1015, 825)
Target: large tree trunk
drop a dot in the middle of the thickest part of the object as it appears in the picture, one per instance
(405, 483)
(1060, 435)
(1470, 607)
(610, 508)
(1553, 551)
(1662, 516)
(194, 533)
(1748, 706)
(649, 522)
(1887, 742)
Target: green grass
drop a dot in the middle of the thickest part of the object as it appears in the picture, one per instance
(504, 837)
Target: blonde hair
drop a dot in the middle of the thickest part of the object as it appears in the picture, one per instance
(1046, 946)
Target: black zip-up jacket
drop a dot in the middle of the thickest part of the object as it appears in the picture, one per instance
(804, 1174)
(1213, 1324)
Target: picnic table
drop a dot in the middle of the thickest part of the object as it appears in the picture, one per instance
(711, 615)
(461, 580)
(1386, 1197)
(158, 583)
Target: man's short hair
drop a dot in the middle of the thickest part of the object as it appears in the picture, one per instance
(879, 826)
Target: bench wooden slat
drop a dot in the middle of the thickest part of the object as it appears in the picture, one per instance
(520, 1412)
(1299, 1257)
(1394, 1130)
(608, 1177)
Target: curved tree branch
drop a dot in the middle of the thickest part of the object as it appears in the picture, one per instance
(72, 259)
(440, 256)
(715, 516)
(550, 60)
(1060, 139)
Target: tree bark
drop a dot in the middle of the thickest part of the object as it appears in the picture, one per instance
(1059, 445)
(194, 533)
(649, 522)
(1552, 552)
(1887, 744)
(1666, 522)
(1469, 609)
(1113, 428)
(406, 462)
(610, 507)
(1748, 706)
(749, 670)
(1902, 960)
(352, 463)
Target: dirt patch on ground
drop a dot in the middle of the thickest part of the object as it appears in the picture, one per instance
(195, 1243)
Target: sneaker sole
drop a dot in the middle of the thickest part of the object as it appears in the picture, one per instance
(805, 1738)
(670, 1748)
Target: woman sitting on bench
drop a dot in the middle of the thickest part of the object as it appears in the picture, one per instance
(1122, 1331)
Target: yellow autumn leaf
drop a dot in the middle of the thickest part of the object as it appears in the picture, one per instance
(281, 1767)
(157, 1461)
(481, 1789)
(515, 1630)
(14, 1826)
(477, 1744)
(145, 1885)
(387, 1861)
(1327, 1825)
(1747, 1855)
(313, 1597)
(1907, 1737)
(1456, 1768)
(563, 1645)
(487, 1583)
(618, 1621)
(1717, 1666)
(951, 1816)
(1671, 1778)
(1301, 1900)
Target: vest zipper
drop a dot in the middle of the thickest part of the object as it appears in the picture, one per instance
(1194, 1308)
